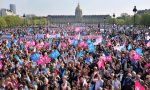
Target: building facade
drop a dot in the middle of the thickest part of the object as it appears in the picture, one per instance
(77, 18)
(7, 12)
(13, 8)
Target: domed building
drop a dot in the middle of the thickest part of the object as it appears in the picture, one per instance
(78, 14)
(77, 18)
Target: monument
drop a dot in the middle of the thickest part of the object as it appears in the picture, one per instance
(77, 18)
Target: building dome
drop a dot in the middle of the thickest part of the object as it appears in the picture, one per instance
(78, 11)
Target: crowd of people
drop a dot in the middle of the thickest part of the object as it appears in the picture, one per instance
(74, 57)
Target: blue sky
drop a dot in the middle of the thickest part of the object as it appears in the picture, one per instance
(67, 7)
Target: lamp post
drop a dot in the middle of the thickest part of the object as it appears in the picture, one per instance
(113, 21)
(24, 16)
(134, 10)
(104, 24)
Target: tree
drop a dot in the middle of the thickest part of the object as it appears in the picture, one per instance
(112, 20)
(145, 19)
(9, 20)
(13, 21)
(2, 22)
(137, 19)
(120, 21)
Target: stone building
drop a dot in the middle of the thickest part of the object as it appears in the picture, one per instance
(77, 18)
(143, 11)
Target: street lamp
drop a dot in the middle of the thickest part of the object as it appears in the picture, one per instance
(24, 16)
(134, 10)
(113, 21)
(104, 24)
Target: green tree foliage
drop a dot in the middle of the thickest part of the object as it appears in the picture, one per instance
(112, 20)
(145, 19)
(13, 21)
(39, 21)
(120, 21)
(137, 19)
(2, 22)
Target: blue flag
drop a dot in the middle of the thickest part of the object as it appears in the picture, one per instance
(129, 47)
(80, 53)
(91, 47)
(62, 71)
(9, 44)
(22, 46)
(35, 56)
(54, 54)
(30, 29)
(18, 59)
(14, 41)
(139, 51)
(75, 42)
(87, 60)
(89, 41)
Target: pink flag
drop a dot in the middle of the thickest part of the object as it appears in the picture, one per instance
(77, 29)
(98, 40)
(138, 86)
(41, 61)
(81, 44)
(132, 53)
(32, 43)
(109, 43)
(136, 56)
(46, 44)
(106, 58)
(147, 65)
(109, 58)
(100, 63)
(85, 44)
(38, 45)
(46, 59)
(103, 58)
(148, 44)
(64, 45)
(1, 65)
(1, 56)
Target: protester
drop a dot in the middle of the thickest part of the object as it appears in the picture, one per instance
(75, 57)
